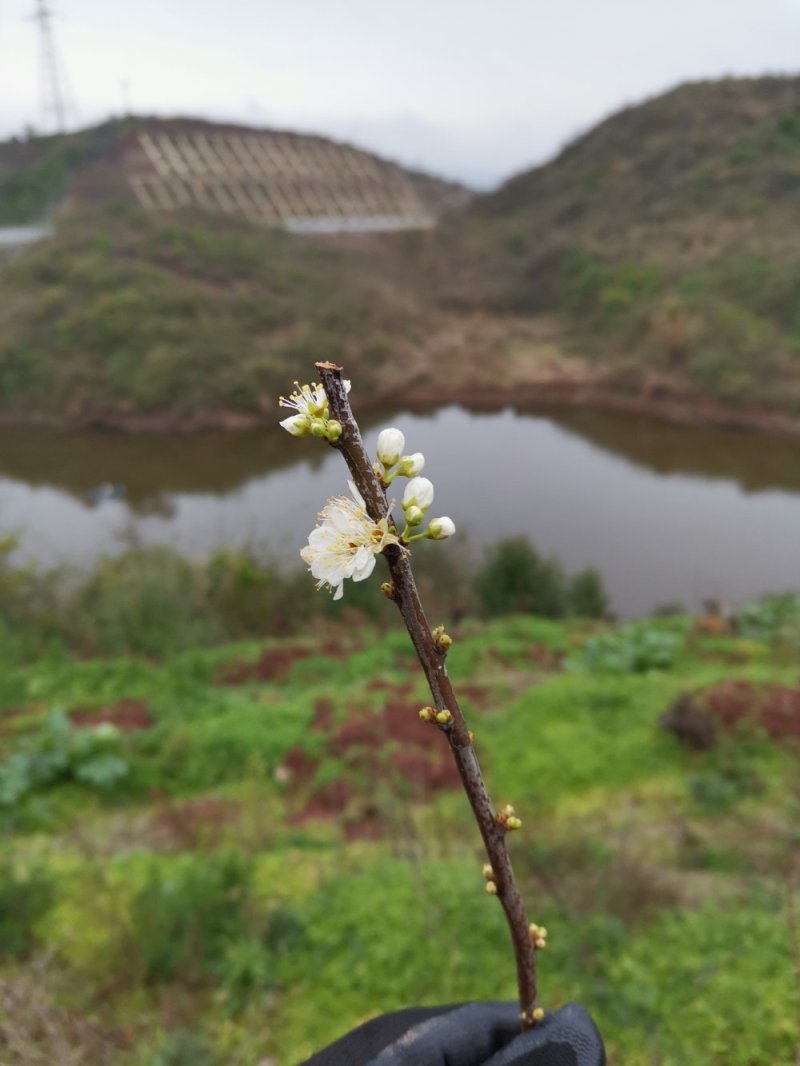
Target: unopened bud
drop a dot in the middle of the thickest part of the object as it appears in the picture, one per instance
(444, 717)
(541, 943)
(538, 1014)
(388, 589)
(441, 528)
(488, 872)
(491, 888)
(414, 515)
(427, 714)
(390, 446)
(411, 465)
(419, 493)
(513, 822)
(318, 427)
(333, 429)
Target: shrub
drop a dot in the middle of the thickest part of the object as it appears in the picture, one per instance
(775, 620)
(60, 752)
(25, 895)
(515, 579)
(187, 914)
(586, 595)
(631, 649)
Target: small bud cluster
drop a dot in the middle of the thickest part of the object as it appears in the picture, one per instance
(313, 415)
(393, 463)
(536, 1015)
(507, 818)
(418, 495)
(442, 640)
(430, 714)
(489, 878)
(538, 935)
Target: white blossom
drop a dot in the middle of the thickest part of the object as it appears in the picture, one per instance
(441, 528)
(345, 543)
(411, 465)
(311, 405)
(419, 493)
(390, 446)
(297, 425)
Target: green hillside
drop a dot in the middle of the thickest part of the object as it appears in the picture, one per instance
(653, 264)
(665, 239)
(219, 855)
(125, 313)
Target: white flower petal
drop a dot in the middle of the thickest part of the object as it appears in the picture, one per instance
(357, 495)
(297, 425)
(345, 543)
(418, 493)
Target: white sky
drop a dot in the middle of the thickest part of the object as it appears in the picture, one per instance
(471, 89)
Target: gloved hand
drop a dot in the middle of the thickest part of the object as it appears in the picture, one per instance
(469, 1034)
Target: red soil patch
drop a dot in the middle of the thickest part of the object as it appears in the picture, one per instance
(775, 708)
(274, 664)
(545, 657)
(324, 713)
(713, 625)
(479, 695)
(194, 821)
(127, 715)
(409, 757)
(698, 718)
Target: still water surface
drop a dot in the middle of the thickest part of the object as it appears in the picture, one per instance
(666, 513)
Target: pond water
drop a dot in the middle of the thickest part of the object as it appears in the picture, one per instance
(667, 514)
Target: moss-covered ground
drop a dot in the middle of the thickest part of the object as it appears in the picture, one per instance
(206, 863)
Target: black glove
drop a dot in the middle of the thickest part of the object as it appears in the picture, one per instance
(470, 1034)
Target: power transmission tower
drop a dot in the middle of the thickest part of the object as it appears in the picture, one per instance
(54, 82)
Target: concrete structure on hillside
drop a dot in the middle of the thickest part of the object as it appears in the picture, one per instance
(304, 183)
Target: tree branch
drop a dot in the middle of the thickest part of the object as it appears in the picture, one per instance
(432, 659)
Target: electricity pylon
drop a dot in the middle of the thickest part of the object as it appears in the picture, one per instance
(53, 78)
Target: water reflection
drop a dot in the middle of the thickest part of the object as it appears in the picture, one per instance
(667, 513)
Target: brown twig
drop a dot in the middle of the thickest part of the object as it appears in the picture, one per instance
(432, 659)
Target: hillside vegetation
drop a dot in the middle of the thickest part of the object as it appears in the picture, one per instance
(653, 263)
(130, 313)
(221, 854)
(665, 240)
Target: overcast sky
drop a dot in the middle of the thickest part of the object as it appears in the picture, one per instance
(472, 89)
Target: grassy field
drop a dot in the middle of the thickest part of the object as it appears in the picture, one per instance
(237, 853)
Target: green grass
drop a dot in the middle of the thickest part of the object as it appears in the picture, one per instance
(660, 873)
